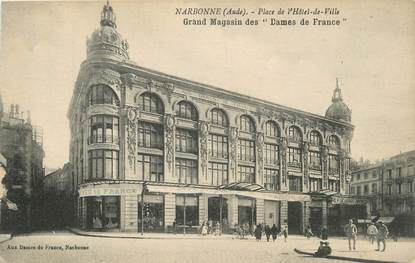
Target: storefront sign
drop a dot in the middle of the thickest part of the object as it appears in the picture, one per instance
(109, 191)
(338, 200)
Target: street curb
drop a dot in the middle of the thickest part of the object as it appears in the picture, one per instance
(82, 233)
(10, 237)
(345, 258)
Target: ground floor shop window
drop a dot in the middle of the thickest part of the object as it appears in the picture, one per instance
(187, 210)
(246, 212)
(103, 212)
(153, 213)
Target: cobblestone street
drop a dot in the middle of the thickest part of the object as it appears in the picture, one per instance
(26, 249)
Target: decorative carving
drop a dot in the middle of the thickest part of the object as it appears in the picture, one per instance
(129, 79)
(260, 153)
(170, 127)
(203, 136)
(324, 156)
(167, 90)
(131, 134)
(150, 84)
(305, 162)
(233, 139)
(107, 39)
(283, 153)
(105, 76)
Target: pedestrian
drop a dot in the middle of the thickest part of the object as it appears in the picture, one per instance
(274, 232)
(258, 233)
(324, 233)
(284, 232)
(372, 232)
(351, 231)
(174, 226)
(267, 232)
(308, 232)
(382, 235)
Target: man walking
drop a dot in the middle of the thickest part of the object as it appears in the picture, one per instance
(382, 235)
(372, 232)
(351, 231)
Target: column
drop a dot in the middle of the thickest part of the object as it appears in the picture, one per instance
(128, 138)
(283, 164)
(82, 213)
(324, 212)
(203, 134)
(259, 178)
(169, 149)
(169, 210)
(233, 210)
(260, 211)
(324, 166)
(306, 214)
(284, 213)
(305, 167)
(202, 208)
(233, 154)
(131, 213)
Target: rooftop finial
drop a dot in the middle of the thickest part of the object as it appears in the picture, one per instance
(108, 16)
(337, 94)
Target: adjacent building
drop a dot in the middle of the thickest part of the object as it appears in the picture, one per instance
(389, 186)
(151, 150)
(21, 146)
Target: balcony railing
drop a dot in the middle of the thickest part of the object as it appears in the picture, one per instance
(295, 164)
(103, 139)
(333, 171)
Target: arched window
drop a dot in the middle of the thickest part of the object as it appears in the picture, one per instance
(102, 94)
(150, 102)
(334, 141)
(271, 129)
(218, 117)
(295, 134)
(246, 124)
(186, 110)
(315, 138)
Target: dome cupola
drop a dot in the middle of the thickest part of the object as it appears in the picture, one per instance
(338, 109)
(106, 41)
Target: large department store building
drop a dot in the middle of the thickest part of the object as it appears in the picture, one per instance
(199, 152)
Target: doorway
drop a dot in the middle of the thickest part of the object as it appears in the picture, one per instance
(294, 217)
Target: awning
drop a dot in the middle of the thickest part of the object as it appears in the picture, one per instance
(218, 191)
(242, 186)
(386, 219)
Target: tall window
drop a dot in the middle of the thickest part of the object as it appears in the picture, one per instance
(187, 210)
(246, 174)
(315, 160)
(103, 164)
(150, 102)
(186, 110)
(334, 185)
(315, 138)
(374, 188)
(102, 94)
(271, 129)
(271, 154)
(294, 157)
(150, 168)
(186, 141)
(359, 190)
(218, 173)
(186, 170)
(104, 128)
(246, 150)
(294, 183)
(333, 164)
(389, 189)
(218, 146)
(334, 142)
(150, 135)
(271, 179)
(246, 124)
(366, 189)
(316, 184)
(218, 117)
(294, 134)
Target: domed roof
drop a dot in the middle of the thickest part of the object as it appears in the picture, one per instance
(338, 109)
(106, 41)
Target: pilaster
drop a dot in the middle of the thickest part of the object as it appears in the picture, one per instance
(260, 211)
(259, 178)
(130, 213)
(169, 150)
(284, 213)
(169, 210)
(233, 154)
(203, 152)
(283, 164)
(324, 212)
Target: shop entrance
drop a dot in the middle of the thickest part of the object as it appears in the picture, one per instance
(153, 213)
(271, 213)
(217, 209)
(294, 217)
(246, 212)
(316, 219)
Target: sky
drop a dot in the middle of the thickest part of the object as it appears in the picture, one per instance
(372, 53)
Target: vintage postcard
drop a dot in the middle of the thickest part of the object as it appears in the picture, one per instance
(207, 131)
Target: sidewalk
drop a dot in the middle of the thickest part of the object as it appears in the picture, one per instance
(4, 237)
(136, 235)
